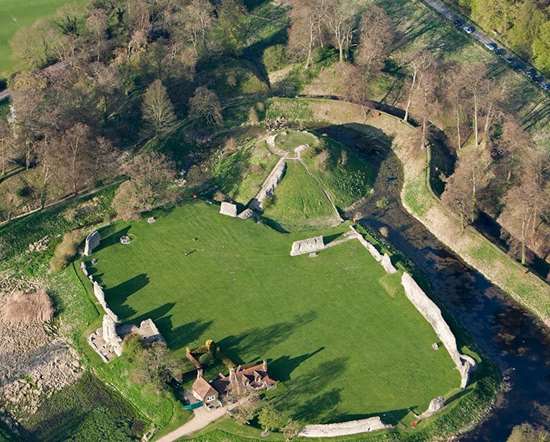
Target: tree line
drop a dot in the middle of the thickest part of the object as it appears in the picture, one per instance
(523, 24)
(499, 170)
(102, 80)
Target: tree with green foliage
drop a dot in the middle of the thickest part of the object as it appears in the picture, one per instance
(158, 110)
(270, 419)
(541, 48)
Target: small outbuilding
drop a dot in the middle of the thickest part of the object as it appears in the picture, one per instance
(203, 391)
(228, 209)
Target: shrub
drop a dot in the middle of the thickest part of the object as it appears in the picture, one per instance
(275, 57)
(206, 359)
(253, 116)
(66, 250)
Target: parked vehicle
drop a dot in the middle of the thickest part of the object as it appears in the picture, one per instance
(491, 46)
(500, 51)
(468, 29)
(458, 23)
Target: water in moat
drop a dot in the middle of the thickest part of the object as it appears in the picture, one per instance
(503, 331)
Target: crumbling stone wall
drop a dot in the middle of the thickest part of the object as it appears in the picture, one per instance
(431, 312)
(309, 245)
(269, 185)
(344, 428)
(92, 241)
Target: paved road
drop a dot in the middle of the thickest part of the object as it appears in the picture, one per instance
(478, 35)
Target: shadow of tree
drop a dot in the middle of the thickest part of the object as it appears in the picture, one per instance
(183, 335)
(117, 296)
(255, 342)
(320, 405)
(283, 367)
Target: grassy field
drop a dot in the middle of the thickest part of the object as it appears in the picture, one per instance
(15, 14)
(299, 201)
(341, 344)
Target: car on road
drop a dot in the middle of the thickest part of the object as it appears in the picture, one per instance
(500, 51)
(491, 46)
(458, 22)
(468, 29)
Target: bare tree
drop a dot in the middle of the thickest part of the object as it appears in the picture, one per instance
(375, 41)
(417, 63)
(97, 24)
(73, 156)
(5, 146)
(197, 20)
(158, 111)
(151, 185)
(341, 19)
(304, 33)
(524, 204)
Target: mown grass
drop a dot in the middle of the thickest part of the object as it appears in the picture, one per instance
(299, 201)
(15, 14)
(341, 345)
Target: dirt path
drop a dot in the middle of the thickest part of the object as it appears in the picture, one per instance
(202, 418)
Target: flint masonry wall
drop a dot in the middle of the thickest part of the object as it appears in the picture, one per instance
(344, 428)
(431, 312)
(427, 308)
(269, 184)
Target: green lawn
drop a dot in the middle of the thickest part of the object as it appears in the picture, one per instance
(299, 201)
(339, 343)
(291, 139)
(15, 14)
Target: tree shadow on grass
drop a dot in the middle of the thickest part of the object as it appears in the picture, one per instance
(255, 342)
(117, 296)
(283, 367)
(183, 335)
(321, 402)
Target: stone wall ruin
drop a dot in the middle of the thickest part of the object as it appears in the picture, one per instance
(344, 428)
(309, 245)
(92, 241)
(431, 312)
(269, 185)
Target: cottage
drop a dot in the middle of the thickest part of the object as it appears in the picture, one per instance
(204, 392)
(245, 379)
